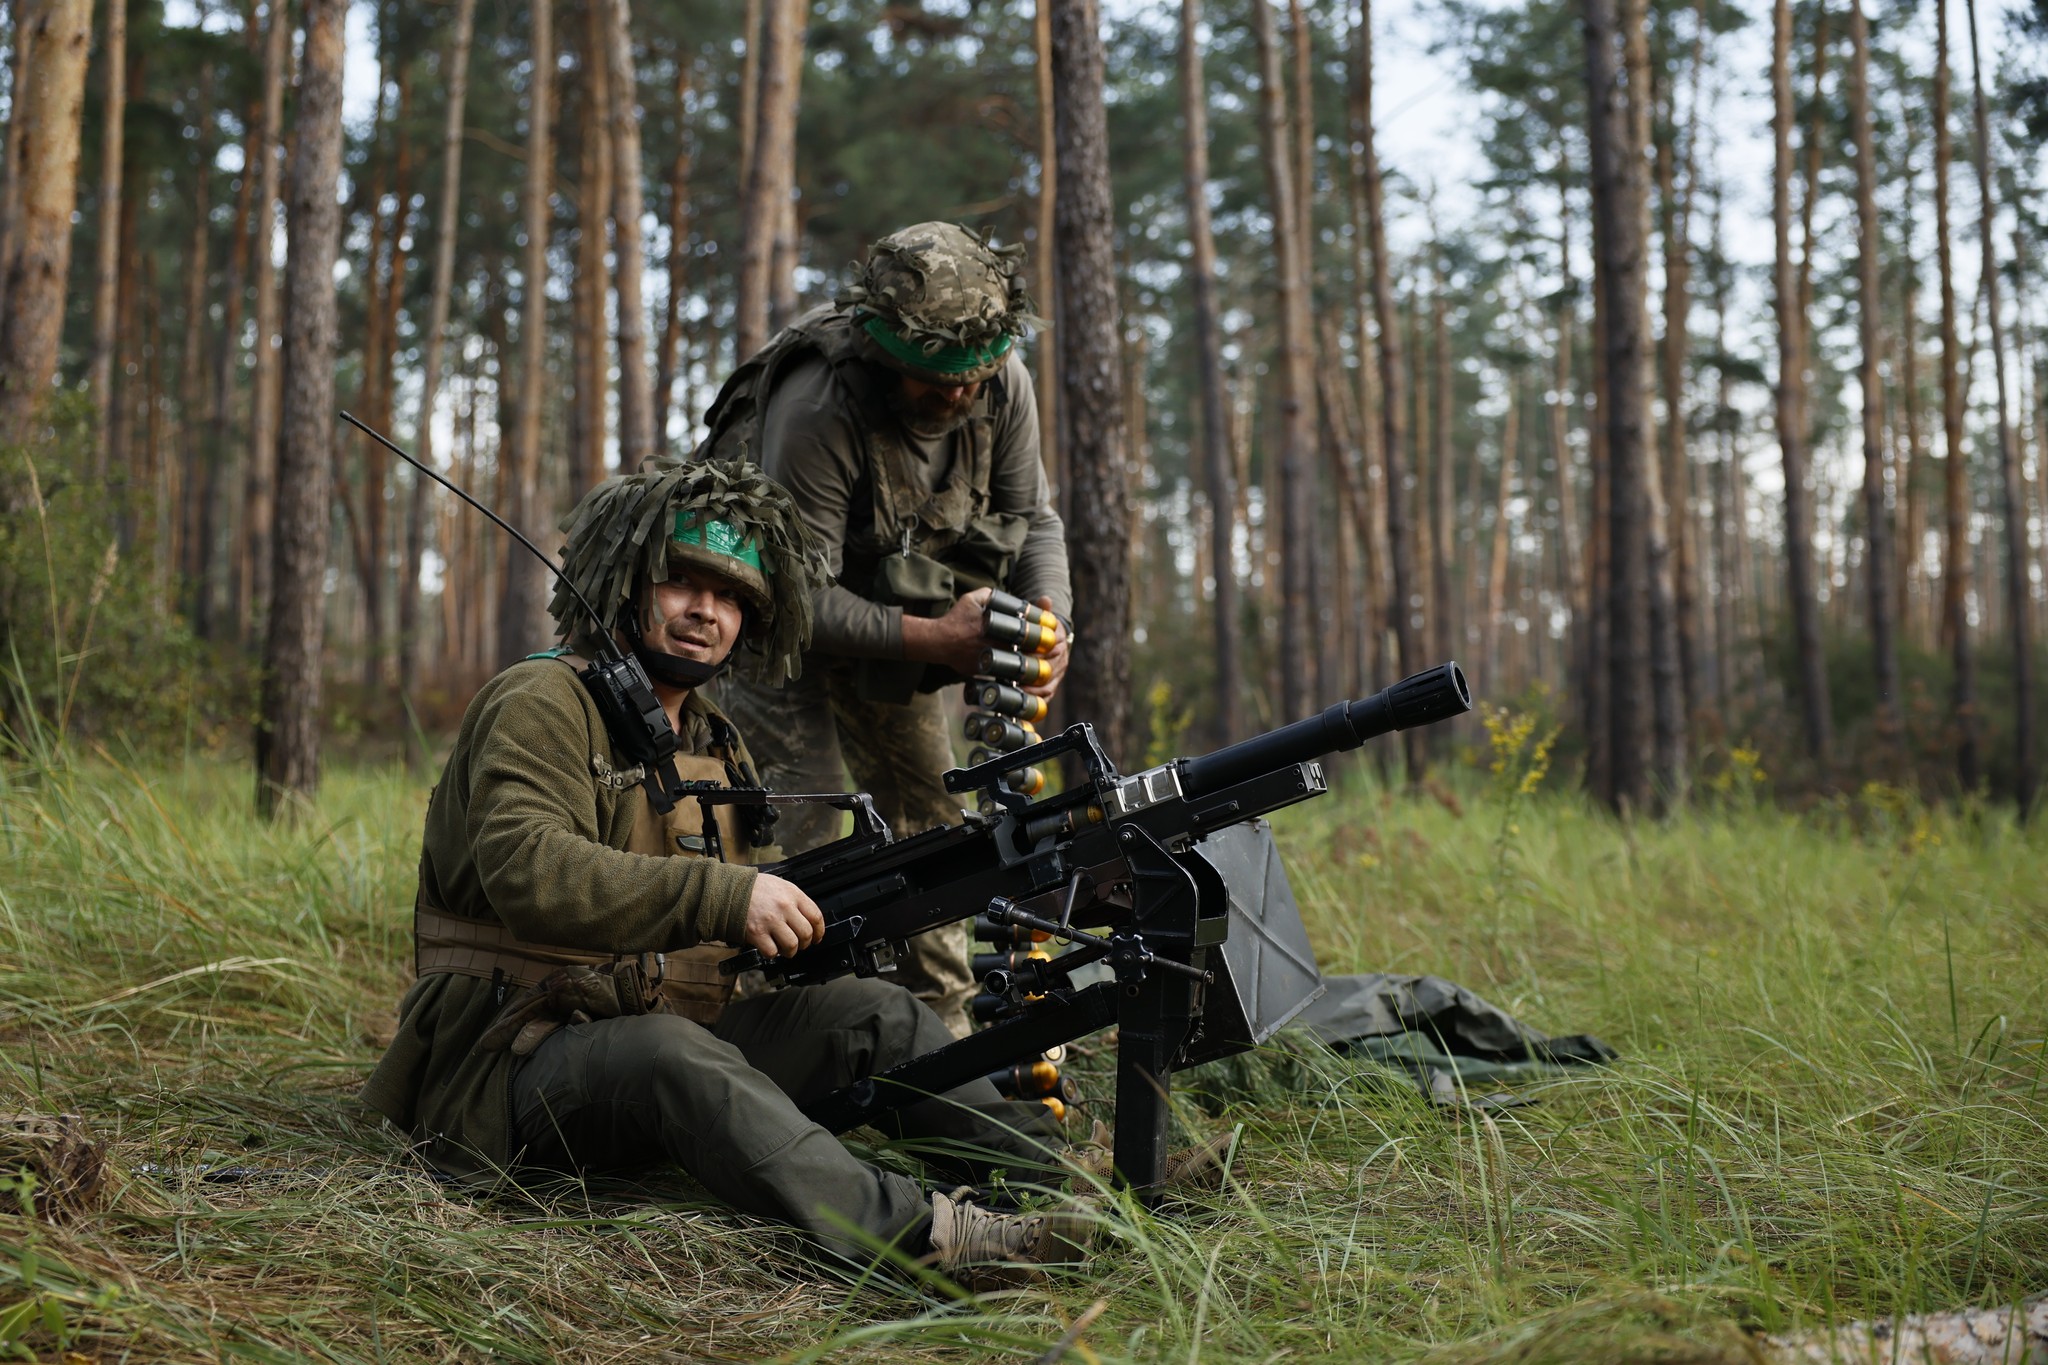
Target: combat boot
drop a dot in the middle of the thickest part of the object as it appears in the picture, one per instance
(982, 1250)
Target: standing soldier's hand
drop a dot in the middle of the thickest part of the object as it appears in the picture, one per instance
(781, 919)
(955, 639)
(1059, 658)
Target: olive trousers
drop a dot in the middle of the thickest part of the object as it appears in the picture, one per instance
(800, 733)
(726, 1104)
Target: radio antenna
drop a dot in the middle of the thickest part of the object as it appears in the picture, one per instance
(603, 631)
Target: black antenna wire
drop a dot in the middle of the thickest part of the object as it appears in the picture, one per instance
(603, 631)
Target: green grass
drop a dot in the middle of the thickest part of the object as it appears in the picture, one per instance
(1832, 1104)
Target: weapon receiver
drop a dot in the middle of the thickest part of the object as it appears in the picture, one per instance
(1167, 879)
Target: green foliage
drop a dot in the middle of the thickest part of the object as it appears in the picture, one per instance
(89, 649)
(1831, 1104)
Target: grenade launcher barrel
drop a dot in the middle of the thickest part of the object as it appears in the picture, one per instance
(1421, 699)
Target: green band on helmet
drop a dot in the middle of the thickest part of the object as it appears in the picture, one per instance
(720, 538)
(944, 360)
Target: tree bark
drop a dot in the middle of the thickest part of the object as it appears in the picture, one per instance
(1912, 581)
(1091, 379)
(590, 390)
(771, 175)
(1878, 552)
(1296, 522)
(1616, 109)
(215, 588)
(288, 730)
(1393, 398)
(1497, 561)
(190, 561)
(1373, 625)
(17, 129)
(1955, 563)
(1443, 489)
(521, 584)
(447, 219)
(2019, 608)
(253, 582)
(638, 439)
(50, 107)
(1791, 405)
(1302, 91)
(1571, 549)
(1216, 471)
(1047, 343)
(107, 271)
(668, 353)
(1676, 187)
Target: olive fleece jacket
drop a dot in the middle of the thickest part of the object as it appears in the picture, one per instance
(521, 830)
(812, 444)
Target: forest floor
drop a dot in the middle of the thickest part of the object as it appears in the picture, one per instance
(1832, 1102)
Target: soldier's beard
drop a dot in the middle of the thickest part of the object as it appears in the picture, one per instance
(933, 413)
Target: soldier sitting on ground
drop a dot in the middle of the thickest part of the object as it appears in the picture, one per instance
(569, 1013)
(903, 423)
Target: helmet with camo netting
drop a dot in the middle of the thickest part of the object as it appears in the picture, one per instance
(722, 515)
(940, 303)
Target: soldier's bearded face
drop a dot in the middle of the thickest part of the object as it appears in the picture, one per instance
(932, 409)
(699, 615)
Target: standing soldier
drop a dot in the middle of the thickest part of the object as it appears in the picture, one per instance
(903, 423)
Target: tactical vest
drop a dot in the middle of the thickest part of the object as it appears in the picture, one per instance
(691, 984)
(914, 550)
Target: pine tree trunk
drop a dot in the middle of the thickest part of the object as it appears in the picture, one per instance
(1215, 448)
(521, 584)
(107, 271)
(2018, 591)
(592, 284)
(1497, 561)
(1393, 396)
(113, 455)
(1091, 381)
(1791, 404)
(447, 217)
(288, 730)
(1443, 503)
(1046, 287)
(1912, 583)
(49, 107)
(1296, 521)
(771, 174)
(23, 47)
(668, 353)
(1675, 190)
(216, 589)
(749, 111)
(253, 582)
(189, 558)
(1302, 123)
(1667, 686)
(1955, 561)
(1878, 555)
(1371, 473)
(638, 438)
(1621, 261)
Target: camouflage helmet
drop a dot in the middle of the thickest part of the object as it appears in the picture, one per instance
(722, 515)
(941, 304)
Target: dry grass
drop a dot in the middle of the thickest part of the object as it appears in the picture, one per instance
(1832, 1103)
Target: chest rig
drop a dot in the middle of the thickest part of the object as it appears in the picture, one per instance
(686, 982)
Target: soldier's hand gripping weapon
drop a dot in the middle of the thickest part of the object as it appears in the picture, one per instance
(1167, 877)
